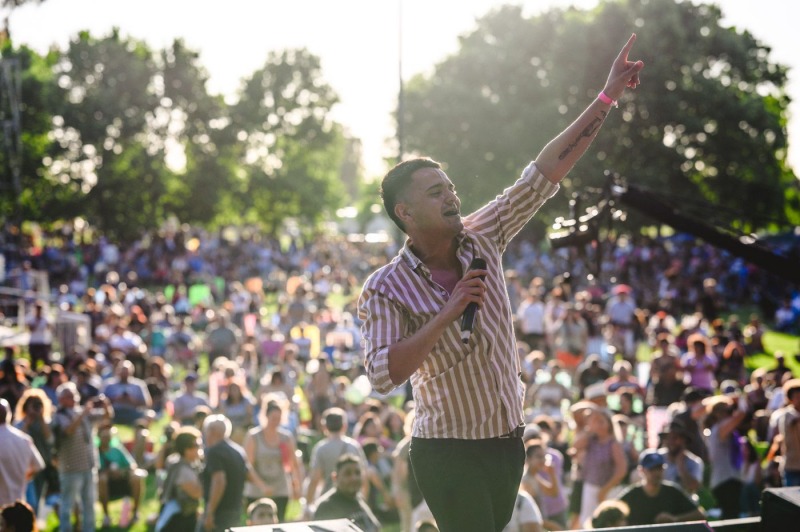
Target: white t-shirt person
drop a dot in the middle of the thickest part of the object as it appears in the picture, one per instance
(526, 516)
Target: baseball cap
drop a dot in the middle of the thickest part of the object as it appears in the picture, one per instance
(790, 386)
(729, 386)
(190, 377)
(651, 459)
(595, 391)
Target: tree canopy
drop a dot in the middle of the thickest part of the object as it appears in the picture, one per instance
(126, 136)
(707, 126)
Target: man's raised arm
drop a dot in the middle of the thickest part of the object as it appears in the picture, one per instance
(561, 153)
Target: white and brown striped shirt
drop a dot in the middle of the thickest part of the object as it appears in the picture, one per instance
(461, 391)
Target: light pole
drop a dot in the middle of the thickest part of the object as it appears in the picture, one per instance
(400, 95)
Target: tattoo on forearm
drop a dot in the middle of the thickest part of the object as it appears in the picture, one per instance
(588, 132)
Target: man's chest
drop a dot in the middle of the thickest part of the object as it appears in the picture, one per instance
(446, 279)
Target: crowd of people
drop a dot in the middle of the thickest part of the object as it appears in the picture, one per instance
(638, 395)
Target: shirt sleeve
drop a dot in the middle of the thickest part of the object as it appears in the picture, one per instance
(382, 327)
(528, 510)
(213, 462)
(696, 469)
(503, 217)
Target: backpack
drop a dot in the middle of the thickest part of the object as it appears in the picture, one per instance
(171, 491)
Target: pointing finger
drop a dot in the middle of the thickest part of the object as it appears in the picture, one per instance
(623, 54)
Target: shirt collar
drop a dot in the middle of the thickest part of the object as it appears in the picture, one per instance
(414, 262)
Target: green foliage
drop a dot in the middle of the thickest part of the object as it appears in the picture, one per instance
(708, 123)
(292, 151)
(38, 96)
(126, 136)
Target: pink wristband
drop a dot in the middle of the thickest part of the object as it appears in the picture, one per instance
(603, 97)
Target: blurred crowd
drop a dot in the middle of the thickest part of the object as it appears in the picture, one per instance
(227, 366)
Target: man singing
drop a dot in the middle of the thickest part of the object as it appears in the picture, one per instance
(466, 452)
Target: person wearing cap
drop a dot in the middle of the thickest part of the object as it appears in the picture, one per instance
(654, 500)
(184, 405)
(128, 394)
(789, 430)
(597, 394)
(623, 379)
(683, 466)
(620, 311)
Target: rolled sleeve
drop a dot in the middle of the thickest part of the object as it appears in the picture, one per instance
(382, 327)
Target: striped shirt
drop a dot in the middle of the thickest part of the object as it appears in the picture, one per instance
(460, 391)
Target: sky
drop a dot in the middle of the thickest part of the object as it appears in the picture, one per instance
(358, 41)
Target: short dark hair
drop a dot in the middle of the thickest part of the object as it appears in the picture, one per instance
(371, 445)
(20, 514)
(397, 179)
(186, 438)
(334, 419)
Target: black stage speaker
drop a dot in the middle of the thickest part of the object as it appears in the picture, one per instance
(333, 525)
(780, 509)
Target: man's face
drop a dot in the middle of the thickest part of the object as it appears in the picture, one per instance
(348, 479)
(675, 443)
(653, 475)
(536, 459)
(794, 398)
(699, 348)
(430, 203)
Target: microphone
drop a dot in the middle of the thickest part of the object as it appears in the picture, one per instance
(468, 318)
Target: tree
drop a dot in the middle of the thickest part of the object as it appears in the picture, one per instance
(708, 123)
(292, 151)
(127, 137)
(28, 96)
(198, 126)
(113, 152)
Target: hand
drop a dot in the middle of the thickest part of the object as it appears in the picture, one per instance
(623, 73)
(665, 517)
(208, 522)
(470, 289)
